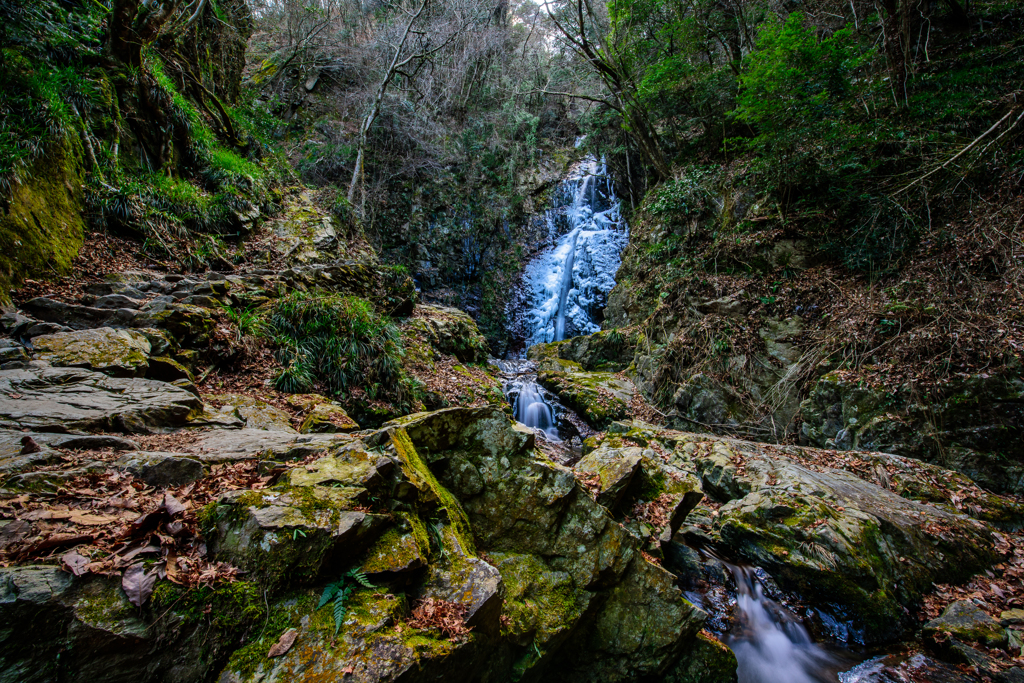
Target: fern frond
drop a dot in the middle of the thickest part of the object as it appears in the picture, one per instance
(339, 612)
(330, 592)
(359, 577)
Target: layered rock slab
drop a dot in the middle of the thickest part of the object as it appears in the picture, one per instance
(44, 398)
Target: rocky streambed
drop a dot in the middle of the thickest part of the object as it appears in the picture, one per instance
(153, 529)
(548, 570)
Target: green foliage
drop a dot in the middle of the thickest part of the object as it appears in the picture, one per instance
(796, 92)
(42, 82)
(339, 591)
(338, 344)
(685, 195)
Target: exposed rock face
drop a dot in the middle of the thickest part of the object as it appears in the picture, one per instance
(965, 622)
(854, 549)
(450, 331)
(54, 626)
(58, 399)
(972, 426)
(118, 353)
(561, 591)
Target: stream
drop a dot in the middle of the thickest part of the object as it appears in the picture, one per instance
(567, 285)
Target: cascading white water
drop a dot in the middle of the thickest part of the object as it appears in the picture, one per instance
(568, 283)
(771, 646)
(527, 397)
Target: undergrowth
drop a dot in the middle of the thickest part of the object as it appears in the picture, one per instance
(339, 345)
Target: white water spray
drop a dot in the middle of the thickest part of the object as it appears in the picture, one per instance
(568, 283)
(771, 646)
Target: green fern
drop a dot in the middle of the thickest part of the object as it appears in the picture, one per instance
(339, 592)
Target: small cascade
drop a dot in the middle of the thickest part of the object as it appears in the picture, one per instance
(531, 403)
(568, 282)
(771, 646)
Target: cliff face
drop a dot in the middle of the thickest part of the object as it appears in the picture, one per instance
(749, 327)
(89, 139)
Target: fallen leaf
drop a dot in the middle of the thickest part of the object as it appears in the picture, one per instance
(284, 643)
(14, 532)
(87, 519)
(172, 505)
(137, 584)
(44, 513)
(76, 563)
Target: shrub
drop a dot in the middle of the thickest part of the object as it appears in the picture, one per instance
(796, 91)
(338, 345)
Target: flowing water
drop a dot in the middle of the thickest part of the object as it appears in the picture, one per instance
(567, 286)
(532, 405)
(568, 282)
(770, 644)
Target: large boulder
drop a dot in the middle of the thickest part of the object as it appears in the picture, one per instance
(449, 331)
(598, 397)
(58, 627)
(118, 353)
(849, 546)
(549, 583)
(61, 399)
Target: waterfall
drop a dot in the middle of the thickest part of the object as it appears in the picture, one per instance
(770, 645)
(529, 404)
(563, 295)
(568, 282)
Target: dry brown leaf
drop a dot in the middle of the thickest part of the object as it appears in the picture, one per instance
(77, 564)
(284, 643)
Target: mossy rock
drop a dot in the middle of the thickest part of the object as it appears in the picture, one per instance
(598, 397)
(256, 414)
(449, 331)
(328, 418)
(118, 353)
(41, 221)
(965, 621)
(295, 535)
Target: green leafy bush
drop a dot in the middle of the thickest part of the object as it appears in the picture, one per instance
(337, 344)
(797, 93)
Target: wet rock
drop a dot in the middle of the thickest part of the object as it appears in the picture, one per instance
(118, 353)
(161, 469)
(964, 621)
(62, 399)
(597, 397)
(915, 667)
(855, 550)
(608, 350)
(864, 552)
